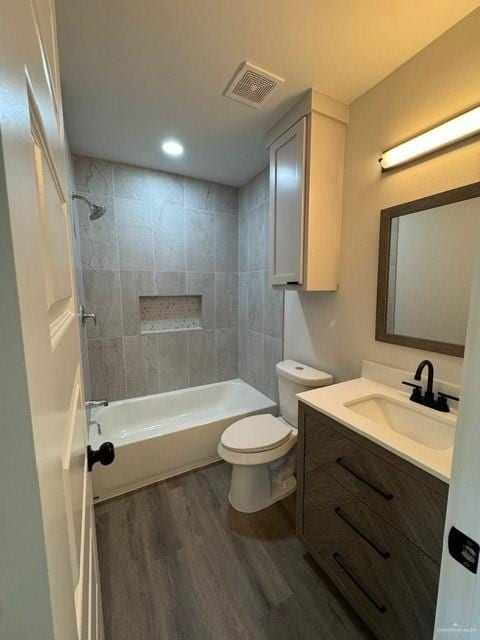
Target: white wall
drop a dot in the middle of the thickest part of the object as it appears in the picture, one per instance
(336, 331)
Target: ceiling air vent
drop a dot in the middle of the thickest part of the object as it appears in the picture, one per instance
(252, 85)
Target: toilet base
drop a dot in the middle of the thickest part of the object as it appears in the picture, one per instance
(252, 488)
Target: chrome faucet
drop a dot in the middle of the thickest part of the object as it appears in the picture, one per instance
(84, 316)
(97, 403)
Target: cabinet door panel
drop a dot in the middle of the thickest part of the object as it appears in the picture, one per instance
(287, 201)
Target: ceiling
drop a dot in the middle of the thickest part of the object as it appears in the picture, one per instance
(137, 72)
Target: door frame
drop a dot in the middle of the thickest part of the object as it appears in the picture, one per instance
(458, 604)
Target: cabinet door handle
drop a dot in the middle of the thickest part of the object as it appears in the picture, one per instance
(381, 608)
(387, 496)
(381, 552)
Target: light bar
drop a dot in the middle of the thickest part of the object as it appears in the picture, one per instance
(462, 126)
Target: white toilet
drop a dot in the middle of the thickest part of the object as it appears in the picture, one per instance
(261, 447)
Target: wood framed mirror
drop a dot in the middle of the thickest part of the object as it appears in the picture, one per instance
(427, 253)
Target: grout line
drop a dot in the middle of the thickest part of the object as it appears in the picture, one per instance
(185, 261)
(247, 211)
(121, 294)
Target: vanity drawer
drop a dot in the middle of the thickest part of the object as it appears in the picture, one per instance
(388, 579)
(396, 490)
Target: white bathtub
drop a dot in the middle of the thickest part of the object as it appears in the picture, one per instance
(160, 436)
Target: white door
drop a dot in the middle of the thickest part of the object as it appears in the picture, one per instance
(49, 578)
(458, 605)
(287, 201)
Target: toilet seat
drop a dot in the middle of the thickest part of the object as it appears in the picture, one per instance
(256, 434)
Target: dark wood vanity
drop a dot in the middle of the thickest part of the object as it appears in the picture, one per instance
(374, 523)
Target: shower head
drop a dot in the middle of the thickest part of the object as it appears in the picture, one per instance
(96, 210)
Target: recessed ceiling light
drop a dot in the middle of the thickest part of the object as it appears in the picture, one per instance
(172, 148)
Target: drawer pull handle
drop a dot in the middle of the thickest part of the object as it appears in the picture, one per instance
(387, 496)
(381, 608)
(384, 554)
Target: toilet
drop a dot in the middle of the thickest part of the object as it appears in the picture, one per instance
(261, 448)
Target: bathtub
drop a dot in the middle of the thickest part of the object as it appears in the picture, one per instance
(162, 435)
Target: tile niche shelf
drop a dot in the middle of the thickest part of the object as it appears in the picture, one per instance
(163, 314)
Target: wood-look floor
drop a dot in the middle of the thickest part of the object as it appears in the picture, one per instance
(178, 563)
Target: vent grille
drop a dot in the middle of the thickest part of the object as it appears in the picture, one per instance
(252, 85)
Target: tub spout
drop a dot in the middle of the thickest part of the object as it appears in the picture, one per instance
(97, 403)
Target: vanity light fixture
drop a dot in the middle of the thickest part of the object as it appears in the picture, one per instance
(458, 128)
(172, 148)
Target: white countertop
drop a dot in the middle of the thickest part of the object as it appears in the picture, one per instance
(331, 400)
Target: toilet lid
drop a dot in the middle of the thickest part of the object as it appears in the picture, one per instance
(256, 433)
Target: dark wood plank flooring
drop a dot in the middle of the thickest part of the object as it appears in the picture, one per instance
(178, 563)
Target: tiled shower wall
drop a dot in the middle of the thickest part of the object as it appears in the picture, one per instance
(260, 306)
(165, 234)
(77, 263)
(162, 234)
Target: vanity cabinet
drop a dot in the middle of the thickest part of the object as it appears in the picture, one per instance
(374, 523)
(306, 178)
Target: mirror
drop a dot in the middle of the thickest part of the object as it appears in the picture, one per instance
(426, 262)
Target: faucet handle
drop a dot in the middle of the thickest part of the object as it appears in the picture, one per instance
(84, 316)
(446, 395)
(442, 401)
(417, 390)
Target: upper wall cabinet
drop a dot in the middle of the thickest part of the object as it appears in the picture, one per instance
(287, 193)
(306, 180)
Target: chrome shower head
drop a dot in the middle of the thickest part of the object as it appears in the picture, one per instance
(96, 210)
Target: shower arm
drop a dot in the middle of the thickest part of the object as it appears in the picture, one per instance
(77, 197)
(96, 210)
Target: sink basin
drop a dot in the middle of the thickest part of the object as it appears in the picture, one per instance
(415, 423)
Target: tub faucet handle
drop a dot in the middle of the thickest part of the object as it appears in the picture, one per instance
(84, 316)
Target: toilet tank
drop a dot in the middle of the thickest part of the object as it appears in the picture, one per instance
(295, 377)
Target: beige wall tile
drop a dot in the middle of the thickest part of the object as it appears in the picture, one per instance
(93, 175)
(102, 297)
(169, 237)
(98, 238)
(107, 372)
(133, 285)
(135, 233)
(167, 188)
(173, 366)
(226, 242)
(200, 238)
(203, 284)
(141, 365)
(201, 354)
(226, 353)
(132, 182)
(226, 300)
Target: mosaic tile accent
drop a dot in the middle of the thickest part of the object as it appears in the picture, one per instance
(160, 314)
